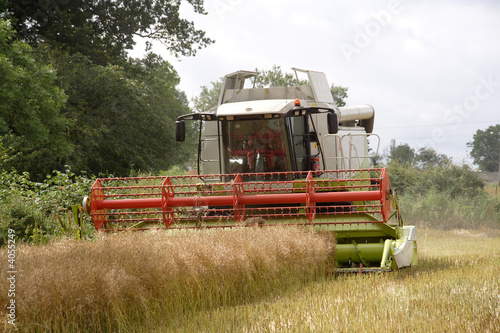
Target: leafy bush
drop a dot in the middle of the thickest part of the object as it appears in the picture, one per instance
(28, 223)
(448, 179)
(40, 211)
(442, 211)
(444, 196)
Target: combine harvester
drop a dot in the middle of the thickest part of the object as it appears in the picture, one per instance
(273, 156)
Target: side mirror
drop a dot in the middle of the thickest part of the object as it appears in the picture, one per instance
(180, 130)
(333, 123)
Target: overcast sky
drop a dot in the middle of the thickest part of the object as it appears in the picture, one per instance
(431, 69)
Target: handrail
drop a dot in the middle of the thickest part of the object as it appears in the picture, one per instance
(350, 156)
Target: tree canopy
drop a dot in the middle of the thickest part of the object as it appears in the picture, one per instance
(70, 95)
(423, 158)
(485, 148)
(208, 98)
(122, 117)
(32, 127)
(429, 158)
(275, 77)
(401, 153)
(339, 94)
(104, 29)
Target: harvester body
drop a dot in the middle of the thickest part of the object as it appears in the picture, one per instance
(274, 156)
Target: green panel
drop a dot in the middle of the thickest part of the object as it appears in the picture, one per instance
(367, 254)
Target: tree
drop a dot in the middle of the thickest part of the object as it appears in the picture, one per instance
(104, 29)
(401, 153)
(123, 117)
(32, 127)
(209, 98)
(429, 158)
(339, 94)
(119, 113)
(486, 148)
(275, 78)
(423, 158)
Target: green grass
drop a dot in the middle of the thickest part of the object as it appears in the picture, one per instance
(493, 189)
(442, 211)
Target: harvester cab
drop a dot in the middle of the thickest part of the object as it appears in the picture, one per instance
(280, 129)
(274, 156)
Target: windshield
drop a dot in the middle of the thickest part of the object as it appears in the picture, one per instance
(256, 146)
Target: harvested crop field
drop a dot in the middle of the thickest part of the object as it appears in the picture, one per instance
(455, 288)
